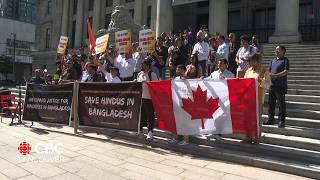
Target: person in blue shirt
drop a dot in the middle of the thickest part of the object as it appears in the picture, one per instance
(279, 68)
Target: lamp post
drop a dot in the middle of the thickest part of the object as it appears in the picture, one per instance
(14, 56)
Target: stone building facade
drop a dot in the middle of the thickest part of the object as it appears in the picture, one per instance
(280, 21)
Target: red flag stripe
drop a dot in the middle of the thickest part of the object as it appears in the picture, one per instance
(161, 94)
(243, 106)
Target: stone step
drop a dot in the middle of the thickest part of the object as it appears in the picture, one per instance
(298, 105)
(304, 92)
(299, 69)
(294, 59)
(303, 77)
(304, 82)
(305, 132)
(297, 63)
(285, 141)
(304, 87)
(304, 73)
(232, 142)
(298, 113)
(301, 98)
(300, 122)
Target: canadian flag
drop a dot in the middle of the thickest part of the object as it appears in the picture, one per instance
(193, 107)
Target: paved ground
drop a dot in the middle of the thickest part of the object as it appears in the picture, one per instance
(84, 158)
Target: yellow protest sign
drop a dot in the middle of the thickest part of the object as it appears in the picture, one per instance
(123, 41)
(147, 40)
(101, 44)
(62, 46)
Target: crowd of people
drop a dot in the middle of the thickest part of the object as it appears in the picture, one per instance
(187, 56)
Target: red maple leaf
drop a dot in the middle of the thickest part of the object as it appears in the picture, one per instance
(200, 108)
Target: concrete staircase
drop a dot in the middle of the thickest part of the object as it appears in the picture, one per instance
(294, 149)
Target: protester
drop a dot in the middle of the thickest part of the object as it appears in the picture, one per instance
(69, 74)
(161, 54)
(125, 64)
(37, 79)
(262, 75)
(202, 50)
(82, 57)
(48, 79)
(58, 72)
(222, 72)
(76, 66)
(279, 68)
(193, 70)
(255, 43)
(147, 110)
(232, 54)
(178, 55)
(85, 73)
(243, 55)
(108, 57)
(93, 75)
(181, 74)
(212, 58)
(138, 57)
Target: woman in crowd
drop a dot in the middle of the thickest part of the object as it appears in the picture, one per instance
(193, 69)
(262, 75)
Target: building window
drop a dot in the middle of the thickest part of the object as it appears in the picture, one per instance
(107, 19)
(131, 12)
(48, 35)
(73, 35)
(109, 3)
(49, 7)
(203, 4)
(91, 2)
(75, 6)
(128, 1)
(90, 20)
(149, 16)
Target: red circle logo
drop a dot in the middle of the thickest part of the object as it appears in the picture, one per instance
(24, 148)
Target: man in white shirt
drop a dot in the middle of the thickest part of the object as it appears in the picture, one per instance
(243, 55)
(125, 64)
(137, 56)
(223, 49)
(222, 72)
(202, 51)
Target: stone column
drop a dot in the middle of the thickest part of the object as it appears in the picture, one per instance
(65, 18)
(96, 15)
(140, 12)
(153, 14)
(218, 16)
(287, 22)
(79, 24)
(164, 16)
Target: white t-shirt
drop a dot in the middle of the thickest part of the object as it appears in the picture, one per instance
(223, 51)
(243, 55)
(144, 77)
(125, 66)
(203, 50)
(110, 79)
(138, 60)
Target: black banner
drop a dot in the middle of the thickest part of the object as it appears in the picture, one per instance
(110, 105)
(48, 103)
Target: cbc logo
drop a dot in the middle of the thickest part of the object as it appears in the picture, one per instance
(41, 148)
(48, 148)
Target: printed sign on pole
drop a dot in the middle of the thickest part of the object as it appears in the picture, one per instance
(123, 41)
(147, 41)
(62, 45)
(101, 43)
